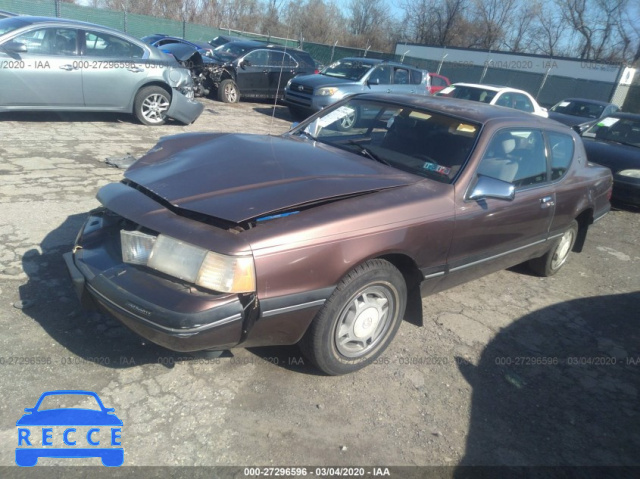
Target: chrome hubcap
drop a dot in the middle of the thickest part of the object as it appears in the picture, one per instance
(364, 321)
(230, 92)
(154, 108)
(562, 251)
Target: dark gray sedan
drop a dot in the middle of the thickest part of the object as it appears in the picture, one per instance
(57, 64)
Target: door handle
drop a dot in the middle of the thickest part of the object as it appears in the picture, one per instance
(67, 67)
(135, 69)
(388, 90)
(547, 202)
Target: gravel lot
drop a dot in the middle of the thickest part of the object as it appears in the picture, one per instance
(511, 369)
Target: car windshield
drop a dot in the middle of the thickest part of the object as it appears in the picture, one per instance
(11, 23)
(468, 93)
(65, 401)
(349, 69)
(579, 108)
(422, 142)
(619, 130)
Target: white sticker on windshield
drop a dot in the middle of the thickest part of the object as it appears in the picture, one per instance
(335, 115)
(609, 121)
(446, 90)
(563, 103)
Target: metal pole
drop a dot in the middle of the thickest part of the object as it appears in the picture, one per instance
(124, 16)
(544, 80)
(333, 49)
(57, 8)
(184, 28)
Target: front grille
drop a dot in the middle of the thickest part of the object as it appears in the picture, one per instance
(299, 88)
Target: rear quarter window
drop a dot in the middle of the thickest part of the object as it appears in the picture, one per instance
(562, 149)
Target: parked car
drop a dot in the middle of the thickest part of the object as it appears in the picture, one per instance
(159, 40)
(438, 82)
(317, 237)
(57, 64)
(580, 113)
(614, 142)
(495, 95)
(306, 94)
(256, 70)
(223, 39)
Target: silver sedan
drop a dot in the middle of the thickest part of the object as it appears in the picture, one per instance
(57, 64)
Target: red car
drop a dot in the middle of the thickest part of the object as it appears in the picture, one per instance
(438, 82)
(324, 235)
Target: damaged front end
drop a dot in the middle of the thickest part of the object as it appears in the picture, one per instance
(184, 107)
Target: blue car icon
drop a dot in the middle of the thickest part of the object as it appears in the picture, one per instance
(101, 421)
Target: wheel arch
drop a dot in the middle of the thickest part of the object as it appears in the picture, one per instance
(158, 83)
(413, 277)
(584, 219)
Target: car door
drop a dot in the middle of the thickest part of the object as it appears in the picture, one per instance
(253, 73)
(401, 81)
(379, 80)
(48, 73)
(113, 69)
(490, 233)
(282, 67)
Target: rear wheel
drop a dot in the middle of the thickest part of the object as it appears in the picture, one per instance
(151, 104)
(228, 91)
(551, 262)
(359, 320)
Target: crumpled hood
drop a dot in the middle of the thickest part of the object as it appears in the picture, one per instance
(240, 177)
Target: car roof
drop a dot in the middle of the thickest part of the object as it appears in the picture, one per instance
(33, 20)
(473, 111)
(377, 61)
(489, 87)
(588, 100)
(30, 20)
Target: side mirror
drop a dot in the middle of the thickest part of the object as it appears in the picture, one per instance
(487, 187)
(244, 64)
(373, 81)
(14, 47)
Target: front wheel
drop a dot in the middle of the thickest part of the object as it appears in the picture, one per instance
(151, 104)
(228, 91)
(359, 320)
(551, 262)
(349, 120)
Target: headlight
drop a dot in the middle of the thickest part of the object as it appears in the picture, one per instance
(630, 173)
(327, 91)
(214, 271)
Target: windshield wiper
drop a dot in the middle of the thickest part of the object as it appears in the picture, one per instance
(368, 153)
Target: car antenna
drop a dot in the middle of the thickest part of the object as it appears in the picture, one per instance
(275, 100)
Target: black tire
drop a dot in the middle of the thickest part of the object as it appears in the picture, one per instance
(151, 104)
(553, 260)
(349, 121)
(359, 320)
(228, 91)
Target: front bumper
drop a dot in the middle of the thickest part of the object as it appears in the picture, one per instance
(158, 309)
(175, 314)
(626, 190)
(309, 103)
(184, 109)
